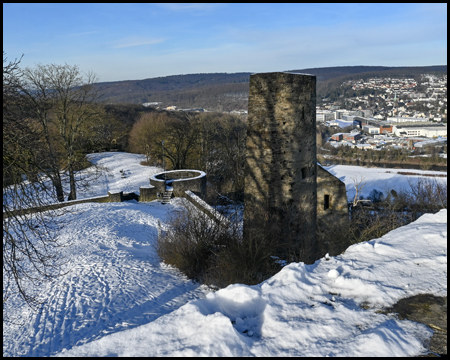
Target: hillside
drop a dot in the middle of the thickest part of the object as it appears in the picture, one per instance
(193, 90)
(226, 92)
(120, 299)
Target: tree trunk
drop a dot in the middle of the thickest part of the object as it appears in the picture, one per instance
(73, 190)
(56, 181)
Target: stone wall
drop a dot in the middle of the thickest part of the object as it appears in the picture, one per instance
(183, 180)
(178, 174)
(206, 208)
(115, 197)
(332, 203)
(280, 172)
(180, 180)
(111, 197)
(332, 213)
(147, 193)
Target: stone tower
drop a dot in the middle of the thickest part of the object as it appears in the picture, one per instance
(280, 172)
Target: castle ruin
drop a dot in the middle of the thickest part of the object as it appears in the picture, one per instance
(280, 172)
(286, 191)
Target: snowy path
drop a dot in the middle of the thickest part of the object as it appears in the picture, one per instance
(116, 281)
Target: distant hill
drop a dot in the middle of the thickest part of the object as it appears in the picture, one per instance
(225, 92)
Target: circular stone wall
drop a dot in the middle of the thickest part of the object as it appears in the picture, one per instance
(180, 181)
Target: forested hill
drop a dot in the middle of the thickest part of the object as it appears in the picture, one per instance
(225, 92)
(327, 73)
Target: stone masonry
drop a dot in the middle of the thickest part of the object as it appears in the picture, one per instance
(332, 213)
(332, 203)
(280, 172)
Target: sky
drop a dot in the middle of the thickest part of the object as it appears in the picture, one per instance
(140, 41)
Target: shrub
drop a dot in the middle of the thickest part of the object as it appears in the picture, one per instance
(427, 195)
(219, 255)
(370, 221)
(191, 242)
(247, 259)
(376, 196)
(213, 253)
(375, 218)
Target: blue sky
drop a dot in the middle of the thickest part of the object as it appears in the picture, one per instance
(139, 41)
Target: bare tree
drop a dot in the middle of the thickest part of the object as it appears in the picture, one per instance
(62, 101)
(427, 195)
(212, 142)
(179, 134)
(359, 185)
(31, 247)
(181, 140)
(233, 144)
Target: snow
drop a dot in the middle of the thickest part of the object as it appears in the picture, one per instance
(306, 310)
(341, 123)
(107, 176)
(120, 300)
(200, 174)
(380, 179)
(136, 175)
(116, 281)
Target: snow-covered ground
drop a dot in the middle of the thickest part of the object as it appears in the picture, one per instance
(109, 178)
(119, 299)
(381, 179)
(306, 310)
(341, 123)
(116, 281)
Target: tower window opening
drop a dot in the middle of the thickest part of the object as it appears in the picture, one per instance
(304, 173)
(326, 202)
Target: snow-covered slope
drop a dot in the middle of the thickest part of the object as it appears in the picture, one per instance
(116, 281)
(380, 179)
(119, 299)
(306, 310)
(111, 179)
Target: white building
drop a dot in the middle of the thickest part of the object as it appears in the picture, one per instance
(348, 117)
(398, 119)
(343, 112)
(368, 113)
(338, 113)
(322, 116)
(371, 129)
(430, 132)
(366, 146)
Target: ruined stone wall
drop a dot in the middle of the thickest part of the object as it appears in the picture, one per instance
(280, 172)
(180, 180)
(332, 203)
(332, 213)
(207, 209)
(111, 197)
(147, 193)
